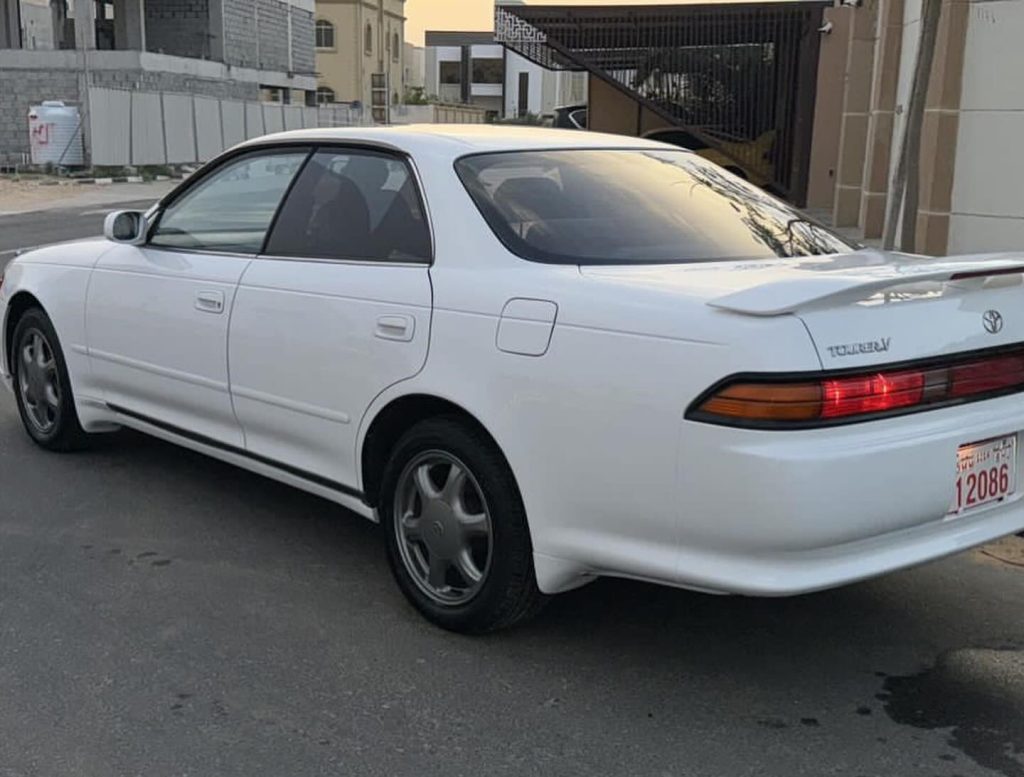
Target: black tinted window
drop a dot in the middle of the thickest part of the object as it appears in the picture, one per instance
(679, 138)
(621, 207)
(353, 205)
(231, 208)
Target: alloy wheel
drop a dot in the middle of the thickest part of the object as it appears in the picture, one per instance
(39, 381)
(443, 527)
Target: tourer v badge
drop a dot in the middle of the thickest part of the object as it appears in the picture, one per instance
(854, 349)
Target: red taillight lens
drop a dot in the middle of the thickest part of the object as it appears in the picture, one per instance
(878, 393)
(771, 403)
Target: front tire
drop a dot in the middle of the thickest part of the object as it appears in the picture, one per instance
(456, 531)
(41, 385)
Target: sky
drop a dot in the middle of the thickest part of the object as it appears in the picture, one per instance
(475, 15)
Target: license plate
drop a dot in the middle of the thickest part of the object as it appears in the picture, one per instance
(986, 472)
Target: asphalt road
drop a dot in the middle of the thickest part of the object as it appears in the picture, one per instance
(27, 230)
(165, 614)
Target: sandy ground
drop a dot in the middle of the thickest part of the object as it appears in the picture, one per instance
(29, 195)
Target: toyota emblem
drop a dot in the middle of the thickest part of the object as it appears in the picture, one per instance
(993, 321)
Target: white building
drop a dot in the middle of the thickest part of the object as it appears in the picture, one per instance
(470, 68)
(415, 66)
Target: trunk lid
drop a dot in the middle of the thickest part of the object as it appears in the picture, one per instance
(868, 307)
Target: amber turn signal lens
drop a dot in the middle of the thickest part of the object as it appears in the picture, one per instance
(766, 402)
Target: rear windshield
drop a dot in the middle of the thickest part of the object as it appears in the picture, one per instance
(644, 206)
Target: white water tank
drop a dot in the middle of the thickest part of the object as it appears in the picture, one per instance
(55, 134)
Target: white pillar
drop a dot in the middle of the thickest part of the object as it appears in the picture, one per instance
(10, 24)
(84, 12)
(130, 25)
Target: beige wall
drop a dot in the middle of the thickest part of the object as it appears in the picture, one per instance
(828, 109)
(879, 72)
(853, 131)
(611, 110)
(987, 202)
(348, 66)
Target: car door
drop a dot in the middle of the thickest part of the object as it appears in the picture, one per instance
(334, 311)
(157, 315)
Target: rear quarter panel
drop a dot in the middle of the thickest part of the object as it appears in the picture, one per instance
(593, 428)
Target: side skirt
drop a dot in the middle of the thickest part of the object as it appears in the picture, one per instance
(339, 493)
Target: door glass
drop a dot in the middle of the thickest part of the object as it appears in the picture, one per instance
(231, 209)
(350, 204)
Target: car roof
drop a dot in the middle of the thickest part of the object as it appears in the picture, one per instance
(456, 140)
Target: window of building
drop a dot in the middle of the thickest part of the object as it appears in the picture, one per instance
(369, 39)
(324, 95)
(349, 204)
(324, 34)
(230, 209)
(488, 71)
(450, 72)
(396, 46)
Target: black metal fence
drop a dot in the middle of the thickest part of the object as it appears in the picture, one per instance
(738, 80)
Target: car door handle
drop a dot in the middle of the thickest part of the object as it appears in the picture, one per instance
(210, 301)
(399, 328)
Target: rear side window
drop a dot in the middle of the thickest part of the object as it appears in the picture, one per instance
(231, 208)
(353, 204)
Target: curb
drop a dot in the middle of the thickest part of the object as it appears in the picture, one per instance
(118, 179)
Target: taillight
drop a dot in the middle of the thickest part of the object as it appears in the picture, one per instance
(764, 401)
(984, 376)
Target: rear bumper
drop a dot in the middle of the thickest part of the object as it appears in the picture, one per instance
(782, 574)
(780, 513)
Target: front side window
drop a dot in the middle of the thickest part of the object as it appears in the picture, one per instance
(634, 207)
(353, 204)
(230, 209)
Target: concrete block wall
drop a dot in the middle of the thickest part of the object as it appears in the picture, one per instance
(20, 89)
(239, 33)
(179, 27)
(155, 81)
(272, 34)
(303, 38)
(256, 35)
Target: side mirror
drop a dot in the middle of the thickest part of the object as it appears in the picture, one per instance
(126, 226)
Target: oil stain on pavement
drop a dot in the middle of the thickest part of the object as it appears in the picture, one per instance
(976, 693)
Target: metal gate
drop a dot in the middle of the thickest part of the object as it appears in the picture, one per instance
(737, 80)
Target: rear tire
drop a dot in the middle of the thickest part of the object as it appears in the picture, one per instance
(455, 529)
(41, 385)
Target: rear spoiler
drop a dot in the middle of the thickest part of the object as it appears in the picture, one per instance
(830, 288)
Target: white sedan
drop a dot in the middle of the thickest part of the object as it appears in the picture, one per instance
(540, 357)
